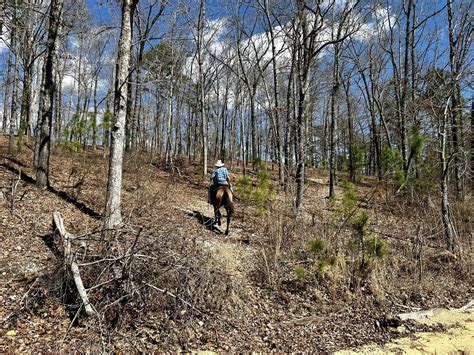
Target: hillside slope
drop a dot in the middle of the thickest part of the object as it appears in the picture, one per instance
(240, 292)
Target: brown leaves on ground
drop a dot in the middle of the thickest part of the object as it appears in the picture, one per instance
(243, 288)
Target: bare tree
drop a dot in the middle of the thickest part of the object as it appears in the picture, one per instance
(44, 130)
(146, 19)
(113, 214)
(460, 36)
(309, 24)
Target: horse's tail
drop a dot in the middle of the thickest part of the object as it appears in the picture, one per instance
(227, 201)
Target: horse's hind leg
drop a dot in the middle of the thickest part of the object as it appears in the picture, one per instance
(217, 217)
(229, 216)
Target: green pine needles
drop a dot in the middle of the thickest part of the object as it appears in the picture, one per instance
(261, 193)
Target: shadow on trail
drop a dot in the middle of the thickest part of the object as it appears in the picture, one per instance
(61, 194)
(13, 160)
(80, 205)
(206, 221)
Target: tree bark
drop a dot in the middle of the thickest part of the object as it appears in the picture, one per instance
(456, 102)
(449, 230)
(333, 124)
(276, 112)
(472, 144)
(43, 139)
(113, 214)
(201, 93)
(7, 86)
(350, 128)
(25, 114)
(14, 109)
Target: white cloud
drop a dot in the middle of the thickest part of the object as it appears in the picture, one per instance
(380, 23)
(4, 40)
(69, 83)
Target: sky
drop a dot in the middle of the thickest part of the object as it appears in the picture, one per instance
(107, 13)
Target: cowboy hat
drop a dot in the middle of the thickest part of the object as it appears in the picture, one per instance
(219, 164)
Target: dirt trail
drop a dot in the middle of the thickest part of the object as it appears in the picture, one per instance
(232, 253)
(458, 338)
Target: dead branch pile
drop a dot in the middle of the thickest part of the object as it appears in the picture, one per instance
(128, 276)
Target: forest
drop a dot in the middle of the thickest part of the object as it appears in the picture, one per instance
(347, 127)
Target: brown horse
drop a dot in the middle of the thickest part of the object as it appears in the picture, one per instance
(222, 197)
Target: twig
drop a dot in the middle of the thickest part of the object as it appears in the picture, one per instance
(21, 301)
(104, 260)
(70, 325)
(408, 307)
(102, 284)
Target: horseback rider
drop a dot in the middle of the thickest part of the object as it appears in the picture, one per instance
(220, 177)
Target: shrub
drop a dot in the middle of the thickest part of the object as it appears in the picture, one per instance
(392, 164)
(243, 186)
(349, 198)
(361, 225)
(376, 247)
(261, 193)
(300, 272)
(316, 246)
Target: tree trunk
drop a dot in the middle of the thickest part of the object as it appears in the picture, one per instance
(243, 136)
(58, 108)
(350, 128)
(94, 114)
(137, 103)
(201, 93)
(14, 109)
(304, 64)
(113, 215)
(456, 102)
(43, 139)
(169, 125)
(253, 125)
(129, 123)
(25, 114)
(449, 231)
(333, 125)
(7, 86)
(276, 113)
(472, 143)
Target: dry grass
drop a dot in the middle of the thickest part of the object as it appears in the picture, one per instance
(236, 292)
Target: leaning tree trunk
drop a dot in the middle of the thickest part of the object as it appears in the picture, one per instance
(113, 214)
(43, 139)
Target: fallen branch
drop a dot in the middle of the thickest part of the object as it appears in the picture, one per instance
(70, 260)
